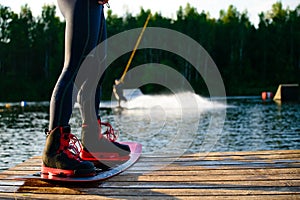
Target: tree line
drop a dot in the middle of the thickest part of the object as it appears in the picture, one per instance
(250, 59)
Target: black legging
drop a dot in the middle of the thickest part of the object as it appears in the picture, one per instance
(85, 29)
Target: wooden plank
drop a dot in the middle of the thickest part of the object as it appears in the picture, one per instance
(165, 197)
(195, 175)
(169, 184)
(217, 175)
(193, 157)
(240, 154)
(189, 167)
(242, 191)
(225, 161)
(227, 154)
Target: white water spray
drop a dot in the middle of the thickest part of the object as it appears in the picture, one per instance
(172, 102)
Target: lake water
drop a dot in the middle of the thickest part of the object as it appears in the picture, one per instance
(164, 124)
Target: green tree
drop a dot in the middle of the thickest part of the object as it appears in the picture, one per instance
(249, 58)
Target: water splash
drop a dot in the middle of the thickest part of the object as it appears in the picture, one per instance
(174, 101)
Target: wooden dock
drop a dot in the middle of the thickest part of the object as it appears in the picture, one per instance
(226, 175)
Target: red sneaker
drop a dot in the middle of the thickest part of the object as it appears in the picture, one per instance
(61, 155)
(102, 147)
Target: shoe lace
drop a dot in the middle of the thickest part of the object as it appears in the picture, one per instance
(110, 133)
(69, 144)
(75, 146)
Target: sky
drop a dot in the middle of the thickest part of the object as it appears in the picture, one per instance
(167, 8)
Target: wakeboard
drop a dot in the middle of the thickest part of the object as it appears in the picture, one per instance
(101, 175)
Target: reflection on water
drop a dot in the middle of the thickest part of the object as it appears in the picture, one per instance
(162, 127)
(254, 125)
(21, 134)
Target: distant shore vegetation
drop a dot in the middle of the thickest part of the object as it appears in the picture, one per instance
(251, 59)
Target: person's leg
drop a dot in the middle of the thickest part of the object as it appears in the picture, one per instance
(82, 28)
(102, 39)
(87, 79)
(57, 156)
(82, 69)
